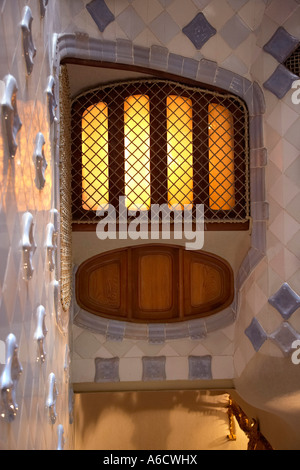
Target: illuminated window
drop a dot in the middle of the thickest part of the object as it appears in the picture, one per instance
(137, 152)
(180, 151)
(94, 157)
(157, 142)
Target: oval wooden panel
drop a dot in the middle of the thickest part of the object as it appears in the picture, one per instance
(154, 283)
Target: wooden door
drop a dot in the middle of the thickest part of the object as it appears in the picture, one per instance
(154, 283)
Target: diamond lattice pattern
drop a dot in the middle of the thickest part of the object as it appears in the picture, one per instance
(159, 142)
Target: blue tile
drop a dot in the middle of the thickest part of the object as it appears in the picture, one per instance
(100, 13)
(280, 81)
(106, 369)
(256, 334)
(284, 337)
(281, 44)
(159, 57)
(200, 368)
(115, 330)
(199, 31)
(154, 368)
(175, 63)
(157, 333)
(286, 301)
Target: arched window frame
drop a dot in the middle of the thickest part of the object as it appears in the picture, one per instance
(114, 95)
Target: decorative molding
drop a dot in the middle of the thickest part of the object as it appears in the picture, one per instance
(60, 437)
(52, 105)
(65, 202)
(9, 380)
(55, 220)
(51, 398)
(28, 46)
(43, 6)
(61, 319)
(10, 117)
(39, 160)
(51, 246)
(28, 245)
(40, 333)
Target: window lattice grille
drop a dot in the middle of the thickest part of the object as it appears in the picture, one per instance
(293, 62)
(156, 141)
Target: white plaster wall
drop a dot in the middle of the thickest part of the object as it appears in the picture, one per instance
(20, 298)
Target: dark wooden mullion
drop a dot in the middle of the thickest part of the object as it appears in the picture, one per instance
(116, 163)
(158, 147)
(200, 154)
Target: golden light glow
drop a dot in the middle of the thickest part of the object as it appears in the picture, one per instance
(180, 151)
(95, 157)
(221, 158)
(137, 152)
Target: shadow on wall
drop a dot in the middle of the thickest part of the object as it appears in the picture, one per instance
(153, 421)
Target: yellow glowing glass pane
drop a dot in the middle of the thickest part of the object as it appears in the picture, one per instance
(180, 151)
(137, 152)
(95, 157)
(221, 158)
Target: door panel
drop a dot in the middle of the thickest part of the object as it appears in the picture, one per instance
(154, 283)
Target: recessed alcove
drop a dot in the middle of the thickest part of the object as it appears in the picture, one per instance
(242, 249)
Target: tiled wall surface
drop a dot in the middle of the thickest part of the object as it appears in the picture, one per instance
(197, 37)
(23, 191)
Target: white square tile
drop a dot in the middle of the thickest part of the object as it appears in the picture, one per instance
(177, 368)
(280, 11)
(222, 367)
(130, 369)
(252, 13)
